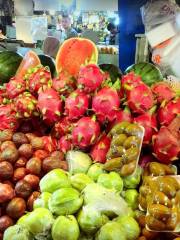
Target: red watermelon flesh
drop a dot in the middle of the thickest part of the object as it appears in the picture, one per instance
(74, 53)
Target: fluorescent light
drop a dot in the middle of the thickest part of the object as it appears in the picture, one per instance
(117, 21)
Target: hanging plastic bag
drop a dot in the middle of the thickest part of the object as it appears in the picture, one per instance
(156, 12)
(167, 55)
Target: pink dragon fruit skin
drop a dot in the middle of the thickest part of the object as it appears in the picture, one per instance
(130, 80)
(62, 127)
(139, 96)
(165, 146)
(162, 91)
(140, 99)
(100, 149)
(90, 78)
(15, 87)
(85, 133)
(167, 113)
(64, 84)
(123, 115)
(174, 128)
(76, 104)
(105, 104)
(8, 118)
(149, 122)
(25, 105)
(50, 143)
(50, 105)
(39, 80)
(65, 144)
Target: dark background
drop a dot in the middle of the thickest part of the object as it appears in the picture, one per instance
(130, 24)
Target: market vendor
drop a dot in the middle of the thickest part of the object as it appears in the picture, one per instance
(67, 26)
(114, 34)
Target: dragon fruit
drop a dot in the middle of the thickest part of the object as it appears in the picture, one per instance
(90, 78)
(15, 87)
(8, 118)
(139, 95)
(25, 105)
(165, 146)
(123, 115)
(50, 144)
(168, 112)
(3, 92)
(1, 100)
(139, 98)
(130, 80)
(46, 143)
(64, 84)
(76, 105)
(100, 149)
(86, 132)
(149, 122)
(65, 143)
(4, 99)
(63, 127)
(50, 105)
(174, 128)
(105, 104)
(121, 93)
(39, 80)
(162, 91)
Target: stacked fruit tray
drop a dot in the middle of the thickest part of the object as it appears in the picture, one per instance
(85, 155)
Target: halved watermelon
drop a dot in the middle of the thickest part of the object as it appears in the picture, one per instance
(74, 53)
(30, 60)
(150, 73)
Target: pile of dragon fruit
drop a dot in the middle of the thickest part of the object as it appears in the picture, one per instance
(78, 113)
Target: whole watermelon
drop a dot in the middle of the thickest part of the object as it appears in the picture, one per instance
(150, 73)
(9, 63)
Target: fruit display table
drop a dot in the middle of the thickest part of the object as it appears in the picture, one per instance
(87, 152)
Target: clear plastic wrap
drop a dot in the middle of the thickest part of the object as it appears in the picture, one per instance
(152, 170)
(157, 12)
(163, 210)
(125, 149)
(166, 56)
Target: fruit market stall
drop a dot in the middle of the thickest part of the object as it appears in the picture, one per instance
(87, 152)
(34, 22)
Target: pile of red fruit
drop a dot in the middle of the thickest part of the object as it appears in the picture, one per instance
(42, 118)
(78, 112)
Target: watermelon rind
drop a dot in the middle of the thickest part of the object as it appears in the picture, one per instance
(149, 73)
(9, 63)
